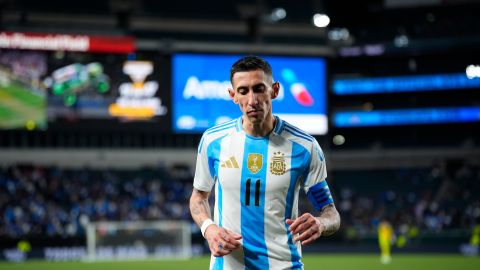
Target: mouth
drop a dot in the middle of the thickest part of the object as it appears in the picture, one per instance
(254, 112)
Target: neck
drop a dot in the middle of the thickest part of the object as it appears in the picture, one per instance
(259, 129)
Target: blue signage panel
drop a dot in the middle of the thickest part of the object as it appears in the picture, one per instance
(415, 83)
(406, 117)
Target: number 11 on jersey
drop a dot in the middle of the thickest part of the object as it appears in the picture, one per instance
(257, 192)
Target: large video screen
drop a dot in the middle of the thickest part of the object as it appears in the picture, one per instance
(106, 86)
(22, 96)
(40, 87)
(200, 85)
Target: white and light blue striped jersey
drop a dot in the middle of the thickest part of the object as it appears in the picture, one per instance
(257, 183)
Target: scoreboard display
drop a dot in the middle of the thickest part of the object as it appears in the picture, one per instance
(53, 79)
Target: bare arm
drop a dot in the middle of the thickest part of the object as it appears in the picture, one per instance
(220, 240)
(311, 228)
(330, 218)
(199, 207)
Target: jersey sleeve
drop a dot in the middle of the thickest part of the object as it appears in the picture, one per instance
(204, 177)
(316, 186)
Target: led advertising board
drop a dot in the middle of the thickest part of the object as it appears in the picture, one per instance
(200, 97)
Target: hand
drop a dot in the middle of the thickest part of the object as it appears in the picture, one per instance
(309, 228)
(222, 241)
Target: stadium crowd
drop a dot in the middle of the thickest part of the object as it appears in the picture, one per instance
(54, 202)
(50, 201)
(415, 200)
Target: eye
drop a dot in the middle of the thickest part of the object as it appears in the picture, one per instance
(242, 91)
(259, 88)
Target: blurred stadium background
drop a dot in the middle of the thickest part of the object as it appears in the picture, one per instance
(102, 104)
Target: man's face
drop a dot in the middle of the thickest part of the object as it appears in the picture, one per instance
(253, 91)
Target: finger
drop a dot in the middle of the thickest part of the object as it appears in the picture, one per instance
(225, 236)
(307, 223)
(227, 241)
(306, 235)
(228, 246)
(294, 224)
(308, 241)
(235, 236)
(229, 238)
(297, 222)
(216, 249)
(221, 253)
(233, 239)
(289, 221)
(220, 250)
(300, 228)
(223, 239)
(233, 245)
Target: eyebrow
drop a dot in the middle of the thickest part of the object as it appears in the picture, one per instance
(256, 85)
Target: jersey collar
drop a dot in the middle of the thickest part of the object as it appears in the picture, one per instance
(279, 125)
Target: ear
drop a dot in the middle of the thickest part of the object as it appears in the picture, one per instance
(275, 89)
(231, 93)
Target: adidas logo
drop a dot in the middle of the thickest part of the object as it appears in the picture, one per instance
(230, 163)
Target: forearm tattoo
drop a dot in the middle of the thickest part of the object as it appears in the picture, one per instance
(330, 218)
(199, 207)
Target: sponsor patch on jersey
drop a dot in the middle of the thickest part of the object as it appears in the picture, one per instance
(278, 165)
(254, 162)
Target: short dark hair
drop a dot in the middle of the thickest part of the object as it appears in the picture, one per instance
(250, 63)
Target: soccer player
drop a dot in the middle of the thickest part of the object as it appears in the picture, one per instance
(385, 238)
(258, 163)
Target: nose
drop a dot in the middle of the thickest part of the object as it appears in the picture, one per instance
(252, 98)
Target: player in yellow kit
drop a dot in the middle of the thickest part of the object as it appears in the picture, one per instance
(475, 239)
(385, 238)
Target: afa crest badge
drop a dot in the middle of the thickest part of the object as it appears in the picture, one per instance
(278, 165)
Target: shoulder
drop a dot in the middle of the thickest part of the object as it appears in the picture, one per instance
(297, 135)
(302, 138)
(217, 132)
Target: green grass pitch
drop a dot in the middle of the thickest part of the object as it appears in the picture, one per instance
(19, 105)
(326, 261)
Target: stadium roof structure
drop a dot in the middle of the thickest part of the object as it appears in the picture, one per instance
(391, 26)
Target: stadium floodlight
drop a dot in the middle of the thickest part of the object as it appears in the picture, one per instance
(321, 20)
(278, 14)
(473, 71)
(138, 240)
